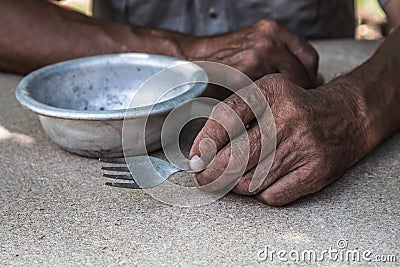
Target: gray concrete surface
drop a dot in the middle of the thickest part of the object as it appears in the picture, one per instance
(56, 211)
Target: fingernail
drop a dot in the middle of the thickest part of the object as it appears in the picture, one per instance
(196, 164)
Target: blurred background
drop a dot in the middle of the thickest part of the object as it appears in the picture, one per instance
(371, 20)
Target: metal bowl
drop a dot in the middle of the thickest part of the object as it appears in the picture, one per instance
(82, 103)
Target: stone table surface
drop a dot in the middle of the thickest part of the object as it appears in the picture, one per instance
(56, 210)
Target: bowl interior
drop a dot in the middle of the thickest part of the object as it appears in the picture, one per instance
(104, 83)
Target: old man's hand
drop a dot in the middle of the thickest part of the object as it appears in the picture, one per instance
(318, 136)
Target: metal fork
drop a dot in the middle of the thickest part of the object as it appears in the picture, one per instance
(148, 171)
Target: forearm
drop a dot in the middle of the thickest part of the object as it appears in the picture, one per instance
(372, 92)
(35, 33)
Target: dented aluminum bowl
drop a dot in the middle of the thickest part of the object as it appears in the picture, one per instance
(82, 103)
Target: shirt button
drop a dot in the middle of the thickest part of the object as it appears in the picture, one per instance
(212, 12)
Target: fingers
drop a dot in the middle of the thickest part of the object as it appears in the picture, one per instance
(290, 44)
(292, 186)
(270, 169)
(254, 62)
(238, 154)
(306, 55)
(290, 66)
(243, 187)
(228, 118)
(244, 104)
(242, 154)
(261, 137)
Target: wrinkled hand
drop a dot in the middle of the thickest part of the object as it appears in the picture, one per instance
(259, 49)
(318, 134)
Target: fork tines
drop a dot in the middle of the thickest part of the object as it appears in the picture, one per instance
(124, 185)
(118, 172)
(119, 176)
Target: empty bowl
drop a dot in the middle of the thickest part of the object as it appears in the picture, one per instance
(82, 103)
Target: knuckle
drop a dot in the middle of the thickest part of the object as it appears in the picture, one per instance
(271, 86)
(274, 27)
(268, 24)
(252, 56)
(225, 116)
(251, 61)
(262, 22)
(221, 111)
(275, 82)
(320, 169)
(212, 132)
(267, 45)
(277, 79)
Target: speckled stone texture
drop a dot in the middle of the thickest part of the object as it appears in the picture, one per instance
(56, 211)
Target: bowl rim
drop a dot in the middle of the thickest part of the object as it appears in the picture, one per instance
(26, 99)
